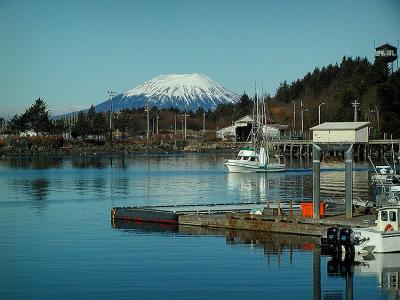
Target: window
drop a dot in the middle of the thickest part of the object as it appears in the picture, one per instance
(384, 216)
(392, 216)
(252, 158)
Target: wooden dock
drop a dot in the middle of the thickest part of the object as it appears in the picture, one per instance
(374, 148)
(234, 217)
(287, 224)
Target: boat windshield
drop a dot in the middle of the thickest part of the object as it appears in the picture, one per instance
(247, 158)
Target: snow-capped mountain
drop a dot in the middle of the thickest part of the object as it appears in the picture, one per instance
(186, 91)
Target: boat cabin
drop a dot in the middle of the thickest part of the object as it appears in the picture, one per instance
(384, 169)
(247, 154)
(388, 218)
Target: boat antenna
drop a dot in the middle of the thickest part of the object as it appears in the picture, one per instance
(394, 160)
(376, 172)
(254, 102)
(262, 102)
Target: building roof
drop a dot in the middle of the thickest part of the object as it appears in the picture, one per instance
(245, 119)
(277, 126)
(340, 126)
(386, 46)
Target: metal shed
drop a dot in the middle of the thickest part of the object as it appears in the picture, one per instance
(341, 132)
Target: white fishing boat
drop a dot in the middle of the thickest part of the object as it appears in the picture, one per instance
(382, 238)
(384, 175)
(250, 160)
(254, 157)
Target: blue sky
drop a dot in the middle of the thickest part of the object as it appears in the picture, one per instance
(71, 52)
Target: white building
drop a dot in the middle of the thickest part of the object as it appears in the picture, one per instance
(341, 132)
(240, 130)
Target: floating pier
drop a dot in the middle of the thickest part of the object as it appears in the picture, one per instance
(234, 217)
(171, 213)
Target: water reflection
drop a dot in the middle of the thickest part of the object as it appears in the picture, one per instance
(120, 186)
(333, 185)
(38, 189)
(384, 266)
(279, 247)
(35, 162)
(82, 186)
(99, 185)
(84, 162)
(271, 244)
(296, 185)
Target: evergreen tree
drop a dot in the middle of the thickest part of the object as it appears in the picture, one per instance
(59, 127)
(122, 122)
(81, 127)
(18, 123)
(90, 119)
(39, 117)
(99, 125)
(389, 102)
(244, 106)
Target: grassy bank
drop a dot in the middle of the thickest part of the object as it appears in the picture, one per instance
(33, 146)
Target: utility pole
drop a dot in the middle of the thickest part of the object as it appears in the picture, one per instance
(355, 104)
(111, 94)
(175, 127)
(319, 112)
(302, 116)
(204, 122)
(148, 121)
(185, 116)
(157, 123)
(294, 115)
(377, 116)
(183, 137)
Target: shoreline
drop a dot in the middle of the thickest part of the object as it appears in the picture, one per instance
(25, 147)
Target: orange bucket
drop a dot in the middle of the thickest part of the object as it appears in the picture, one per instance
(307, 209)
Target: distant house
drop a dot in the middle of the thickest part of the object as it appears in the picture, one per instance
(275, 131)
(240, 130)
(27, 133)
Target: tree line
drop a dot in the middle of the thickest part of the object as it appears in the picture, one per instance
(370, 84)
(337, 86)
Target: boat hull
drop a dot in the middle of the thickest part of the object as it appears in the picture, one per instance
(236, 166)
(372, 240)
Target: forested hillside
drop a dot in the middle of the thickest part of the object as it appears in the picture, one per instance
(372, 85)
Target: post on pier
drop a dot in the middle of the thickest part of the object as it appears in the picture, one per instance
(316, 154)
(348, 160)
(337, 136)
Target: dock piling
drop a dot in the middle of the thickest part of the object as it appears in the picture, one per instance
(316, 180)
(349, 182)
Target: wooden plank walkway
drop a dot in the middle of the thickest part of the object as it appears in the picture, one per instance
(295, 224)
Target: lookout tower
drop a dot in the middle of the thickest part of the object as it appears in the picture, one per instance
(386, 54)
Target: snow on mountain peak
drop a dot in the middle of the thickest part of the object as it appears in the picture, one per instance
(182, 91)
(184, 86)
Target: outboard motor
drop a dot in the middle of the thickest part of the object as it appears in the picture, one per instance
(332, 235)
(332, 238)
(346, 240)
(331, 245)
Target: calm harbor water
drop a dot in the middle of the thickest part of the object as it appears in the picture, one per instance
(57, 239)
